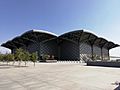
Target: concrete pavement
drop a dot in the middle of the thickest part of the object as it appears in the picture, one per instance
(58, 76)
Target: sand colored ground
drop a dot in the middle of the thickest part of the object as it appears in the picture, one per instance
(58, 76)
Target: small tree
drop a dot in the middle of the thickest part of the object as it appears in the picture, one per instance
(6, 57)
(1, 57)
(13, 58)
(10, 57)
(26, 57)
(19, 55)
(34, 57)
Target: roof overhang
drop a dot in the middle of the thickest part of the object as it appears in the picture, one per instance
(91, 38)
(28, 37)
(76, 36)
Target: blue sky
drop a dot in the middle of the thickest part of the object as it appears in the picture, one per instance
(58, 16)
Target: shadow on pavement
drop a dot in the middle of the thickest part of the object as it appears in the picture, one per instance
(7, 66)
(4, 67)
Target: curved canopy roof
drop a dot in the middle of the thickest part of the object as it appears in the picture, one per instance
(74, 36)
(41, 31)
(29, 37)
(85, 36)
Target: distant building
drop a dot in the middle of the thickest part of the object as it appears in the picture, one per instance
(75, 45)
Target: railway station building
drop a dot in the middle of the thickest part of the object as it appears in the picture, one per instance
(73, 46)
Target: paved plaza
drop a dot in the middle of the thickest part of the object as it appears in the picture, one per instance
(58, 76)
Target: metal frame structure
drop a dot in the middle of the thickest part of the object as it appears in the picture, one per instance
(75, 45)
(88, 42)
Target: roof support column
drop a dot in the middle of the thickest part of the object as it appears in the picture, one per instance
(92, 52)
(58, 52)
(79, 51)
(79, 41)
(59, 42)
(108, 55)
(13, 51)
(39, 51)
(101, 54)
(92, 47)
